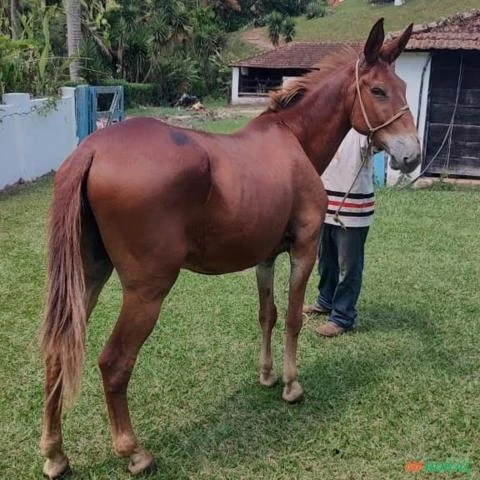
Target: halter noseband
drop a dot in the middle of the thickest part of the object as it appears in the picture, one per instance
(371, 129)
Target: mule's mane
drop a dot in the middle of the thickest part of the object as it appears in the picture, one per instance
(296, 90)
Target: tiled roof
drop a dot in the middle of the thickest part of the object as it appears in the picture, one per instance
(292, 55)
(460, 31)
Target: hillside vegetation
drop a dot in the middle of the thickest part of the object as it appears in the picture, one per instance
(352, 19)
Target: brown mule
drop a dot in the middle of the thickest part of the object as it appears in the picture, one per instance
(149, 199)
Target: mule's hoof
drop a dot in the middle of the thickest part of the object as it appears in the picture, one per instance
(268, 379)
(141, 461)
(292, 392)
(55, 470)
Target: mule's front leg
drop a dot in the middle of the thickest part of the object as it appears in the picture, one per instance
(267, 315)
(302, 259)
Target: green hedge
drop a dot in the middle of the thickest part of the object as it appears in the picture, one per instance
(138, 93)
(135, 94)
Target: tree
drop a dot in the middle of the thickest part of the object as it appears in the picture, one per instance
(274, 27)
(14, 18)
(288, 29)
(278, 24)
(74, 36)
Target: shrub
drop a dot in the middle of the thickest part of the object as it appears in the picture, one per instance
(26, 67)
(259, 21)
(288, 29)
(315, 10)
(135, 94)
(274, 27)
(138, 94)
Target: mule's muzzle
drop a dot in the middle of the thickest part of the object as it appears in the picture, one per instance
(405, 153)
(407, 164)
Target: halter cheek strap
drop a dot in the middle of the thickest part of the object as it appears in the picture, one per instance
(371, 129)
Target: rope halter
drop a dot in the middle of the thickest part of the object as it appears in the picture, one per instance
(372, 130)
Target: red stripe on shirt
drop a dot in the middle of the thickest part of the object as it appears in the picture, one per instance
(351, 205)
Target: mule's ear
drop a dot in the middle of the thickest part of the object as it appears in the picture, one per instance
(374, 42)
(392, 50)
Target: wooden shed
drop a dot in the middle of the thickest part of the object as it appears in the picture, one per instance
(442, 68)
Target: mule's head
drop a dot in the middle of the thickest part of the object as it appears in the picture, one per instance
(380, 98)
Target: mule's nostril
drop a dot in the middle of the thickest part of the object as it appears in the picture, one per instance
(412, 160)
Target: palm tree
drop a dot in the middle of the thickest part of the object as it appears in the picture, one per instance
(74, 36)
(288, 29)
(274, 27)
(14, 17)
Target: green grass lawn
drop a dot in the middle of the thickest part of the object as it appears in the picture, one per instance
(353, 19)
(404, 387)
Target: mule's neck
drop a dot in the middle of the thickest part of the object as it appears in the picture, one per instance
(321, 120)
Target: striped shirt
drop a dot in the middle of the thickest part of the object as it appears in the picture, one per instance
(357, 211)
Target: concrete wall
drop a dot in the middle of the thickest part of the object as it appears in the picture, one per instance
(236, 99)
(411, 68)
(33, 142)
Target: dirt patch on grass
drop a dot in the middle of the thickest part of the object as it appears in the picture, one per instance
(257, 37)
(186, 118)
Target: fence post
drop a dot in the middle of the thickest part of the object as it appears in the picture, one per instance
(121, 104)
(82, 107)
(379, 160)
(92, 113)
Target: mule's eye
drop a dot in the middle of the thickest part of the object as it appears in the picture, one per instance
(378, 92)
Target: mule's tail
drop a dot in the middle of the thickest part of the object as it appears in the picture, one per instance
(64, 324)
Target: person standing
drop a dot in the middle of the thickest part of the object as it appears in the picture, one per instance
(342, 245)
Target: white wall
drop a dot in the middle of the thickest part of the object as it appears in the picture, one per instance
(244, 100)
(235, 83)
(409, 67)
(33, 143)
(287, 80)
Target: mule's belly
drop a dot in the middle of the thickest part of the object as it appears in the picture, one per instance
(245, 217)
(236, 241)
(231, 256)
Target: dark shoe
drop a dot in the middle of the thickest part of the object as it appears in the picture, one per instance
(315, 310)
(330, 329)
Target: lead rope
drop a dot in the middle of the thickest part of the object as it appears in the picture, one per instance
(365, 155)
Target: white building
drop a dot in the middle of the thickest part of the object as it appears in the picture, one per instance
(441, 66)
(254, 77)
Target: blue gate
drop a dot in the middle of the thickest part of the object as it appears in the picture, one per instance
(98, 106)
(379, 170)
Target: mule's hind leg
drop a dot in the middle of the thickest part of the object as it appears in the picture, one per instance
(140, 310)
(97, 271)
(302, 259)
(267, 316)
(56, 463)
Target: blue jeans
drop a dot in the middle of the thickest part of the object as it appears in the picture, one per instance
(340, 266)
